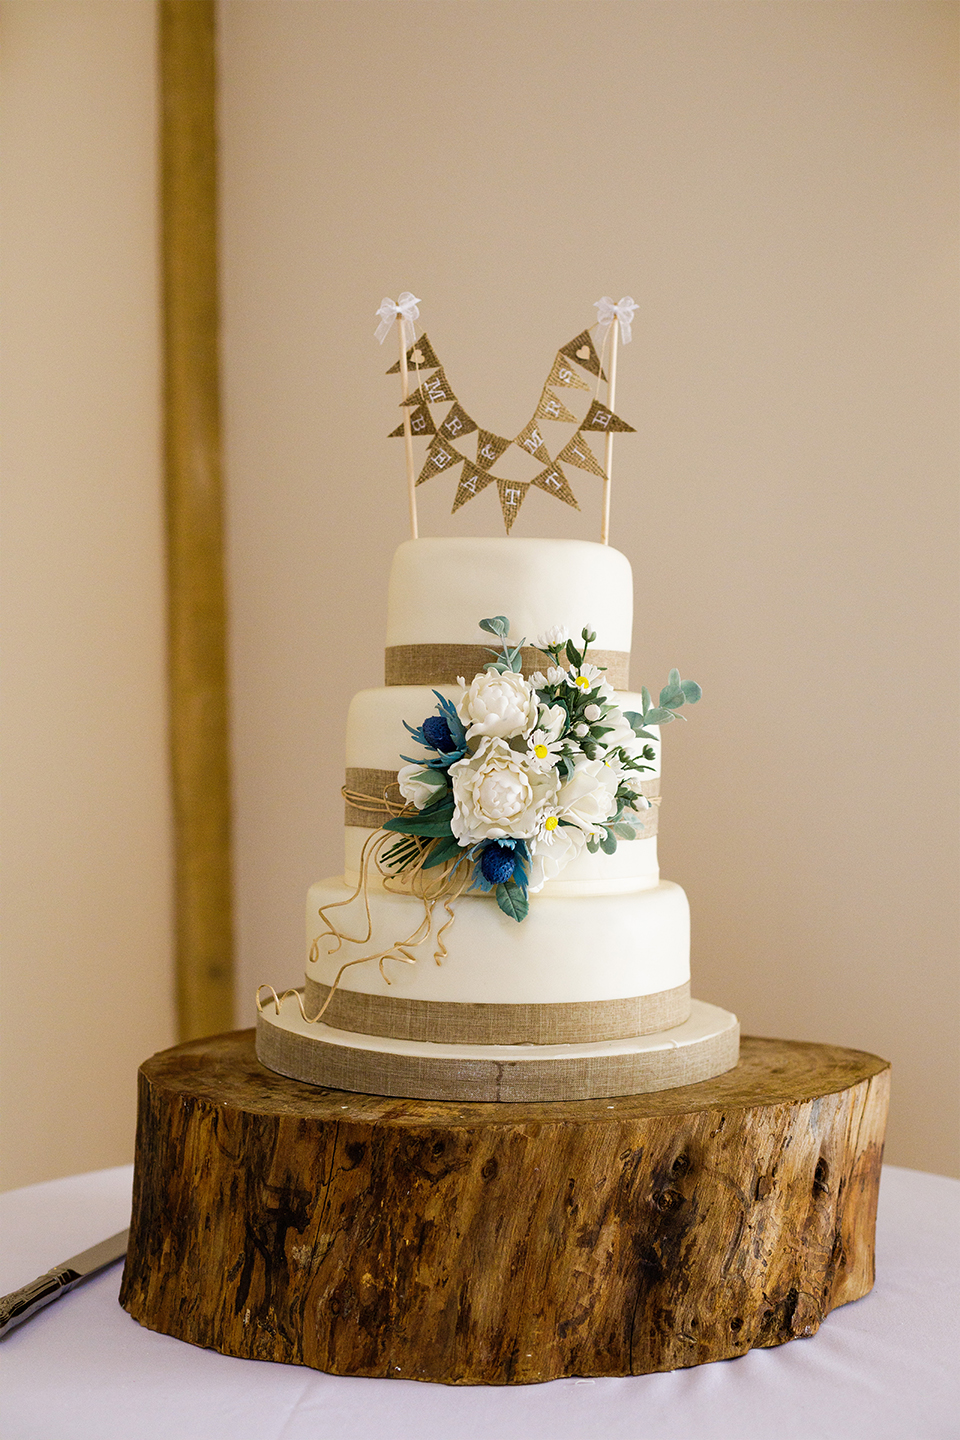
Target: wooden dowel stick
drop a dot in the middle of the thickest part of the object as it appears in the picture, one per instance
(608, 458)
(407, 432)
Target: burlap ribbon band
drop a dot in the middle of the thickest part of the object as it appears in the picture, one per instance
(444, 664)
(457, 1023)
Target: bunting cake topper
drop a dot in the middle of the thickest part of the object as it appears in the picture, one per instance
(448, 437)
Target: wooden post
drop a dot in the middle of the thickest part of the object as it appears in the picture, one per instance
(195, 583)
(493, 1244)
(608, 458)
(407, 432)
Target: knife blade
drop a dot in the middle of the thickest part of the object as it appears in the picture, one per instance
(21, 1304)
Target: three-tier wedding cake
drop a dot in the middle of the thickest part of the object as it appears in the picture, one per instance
(501, 931)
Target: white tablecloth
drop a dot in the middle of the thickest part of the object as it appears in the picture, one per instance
(884, 1368)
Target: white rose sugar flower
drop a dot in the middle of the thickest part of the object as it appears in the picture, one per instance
(552, 851)
(503, 705)
(588, 797)
(420, 785)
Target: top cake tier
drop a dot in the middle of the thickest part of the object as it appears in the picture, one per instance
(440, 588)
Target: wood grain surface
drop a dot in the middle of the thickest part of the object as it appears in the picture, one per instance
(493, 1243)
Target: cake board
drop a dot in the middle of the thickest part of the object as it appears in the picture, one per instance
(502, 1243)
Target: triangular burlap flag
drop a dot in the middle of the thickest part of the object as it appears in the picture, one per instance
(440, 457)
(550, 408)
(581, 349)
(512, 495)
(456, 423)
(489, 448)
(472, 481)
(600, 418)
(420, 356)
(434, 391)
(562, 374)
(421, 423)
(578, 453)
(531, 440)
(554, 482)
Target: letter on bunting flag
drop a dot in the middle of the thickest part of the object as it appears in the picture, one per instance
(550, 408)
(472, 481)
(561, 374)
(456, 423)
(421, 423)
(440, 457)
(434, 391)
(600, 418)
(577, 452)
(531, 440)
(420, 356)
(581, 349)
(512, 495)
(489, 448)
(554, 482)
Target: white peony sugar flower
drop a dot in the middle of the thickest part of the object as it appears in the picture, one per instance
(498, 704)
(497, 794)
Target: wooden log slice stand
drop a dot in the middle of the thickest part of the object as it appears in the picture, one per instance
(494, 1244)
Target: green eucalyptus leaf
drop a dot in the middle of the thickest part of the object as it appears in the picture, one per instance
(593, 845)
(609, 843)
(624, 831)
(645, 697)
(658, 717)
(692, 691)
(496, 625)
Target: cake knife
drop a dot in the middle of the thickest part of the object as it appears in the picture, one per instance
(22, 1303)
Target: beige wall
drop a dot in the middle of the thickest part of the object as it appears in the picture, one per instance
(87, 972)
(775, 184)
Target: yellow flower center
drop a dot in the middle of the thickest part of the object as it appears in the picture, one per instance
(541, 752)
(582, 681)
(551, 822)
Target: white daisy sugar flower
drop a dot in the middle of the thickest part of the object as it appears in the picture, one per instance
(556, 635)
(585, 677)
(543, 750)
(556, 675)
(501, 704)
(497, 794)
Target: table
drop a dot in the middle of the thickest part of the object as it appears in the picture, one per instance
(883, 1368)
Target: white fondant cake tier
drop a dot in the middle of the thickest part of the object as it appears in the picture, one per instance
(601, 948)
(441, 587)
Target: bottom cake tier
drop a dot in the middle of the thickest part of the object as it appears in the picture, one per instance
(705, 1045)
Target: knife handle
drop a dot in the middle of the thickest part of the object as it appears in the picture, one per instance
(23, 1303)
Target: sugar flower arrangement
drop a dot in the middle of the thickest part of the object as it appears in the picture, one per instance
(525, 773)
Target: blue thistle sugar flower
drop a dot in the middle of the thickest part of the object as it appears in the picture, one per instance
(442, 733)
(436, 732)
(497, 864)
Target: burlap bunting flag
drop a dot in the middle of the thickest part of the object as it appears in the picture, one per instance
(600, 418)
(435, 391)
(531, 440)
(550, 408)
(561, 374)
(420, 356)
(472, 481)
(554, 482)
(421, 423)
(440, 457)
(512, 495)
(582, 349)
(456, 423)
(578, 453)
(489, 448)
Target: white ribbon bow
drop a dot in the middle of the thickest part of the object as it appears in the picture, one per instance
(607, 312)
(406, 308)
